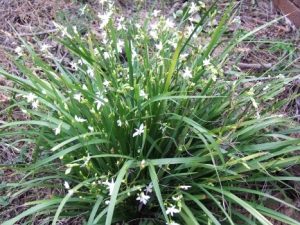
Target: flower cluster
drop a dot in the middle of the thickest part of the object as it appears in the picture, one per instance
(143, 196)
(32, 98)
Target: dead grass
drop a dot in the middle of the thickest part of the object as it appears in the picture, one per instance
(28, 18)
(251, 17)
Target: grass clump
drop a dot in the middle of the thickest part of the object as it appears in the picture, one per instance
(143, 127)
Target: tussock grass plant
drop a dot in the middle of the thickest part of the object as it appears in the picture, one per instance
(143, 127)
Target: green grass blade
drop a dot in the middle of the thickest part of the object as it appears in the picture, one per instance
(113, 199)
(154, 180)
(94, 210)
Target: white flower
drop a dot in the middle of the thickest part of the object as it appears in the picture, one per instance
(110, 185)
(143, 198)
(173, 223)
(143, 94)
(155, 13)
(100, 100)
(169, 24)
(66, 184)
(121, 19)
(148, 188)
(120, 45)
(106, 83)
(120, 25)
(185, 187)
(254, 103)
(106, 55)
(163, 127)
(74, 65)
(105, 19)
(159, 46)
(57, 130)
(266, 87)
(82, 10)
(133, 53)
(96, 51)
(68, 170)
(19, 51)
(280, 76)
(177, 198)
(78, 97)
(99, 103)
(206, 62)
(187, 74)
(107, 202)
(84, 87)
(110, 4)
(64, 32)
(139, 131)
(80, 62)
(90, 72)
(250, 92)
(92, 110)
(236, 20)
(193, 8)
(24, 111)
(91, 128)
(154, 26)
(143, 164)
(171, 210)
(138, 26)
(184, 56)
(154, 34)
(45, 47)
(30, 97)
(35, 104)
(172, 43)
(75, 30)
(202, 4)
(195, 19)
(86, 160)
(190, 29)
(102, 1)
(119, 123)
(79, 119)
(104, 40)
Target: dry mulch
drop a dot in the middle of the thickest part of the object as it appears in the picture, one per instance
(280, 31)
